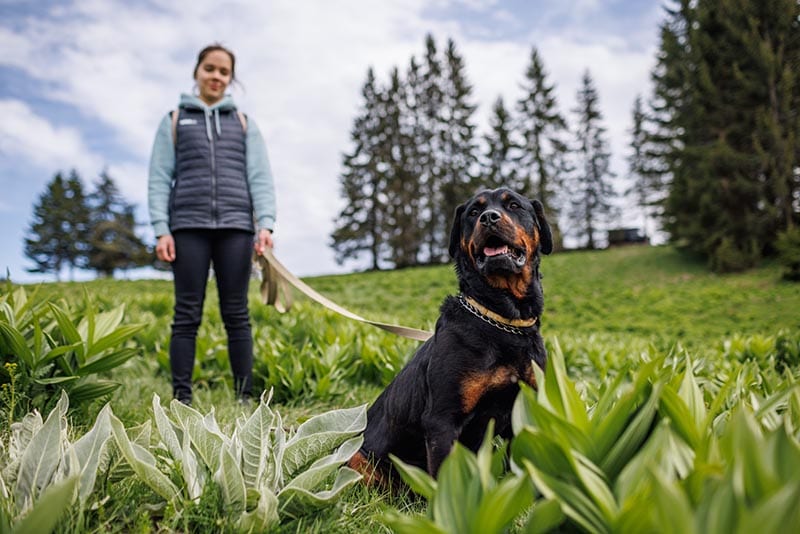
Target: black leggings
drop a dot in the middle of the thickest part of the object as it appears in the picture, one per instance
(230, 251)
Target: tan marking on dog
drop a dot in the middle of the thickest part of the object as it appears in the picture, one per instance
(372, 475)
(476, 385)
(518, 284)
(529, 377)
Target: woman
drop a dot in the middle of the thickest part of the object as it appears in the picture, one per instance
(209, 177)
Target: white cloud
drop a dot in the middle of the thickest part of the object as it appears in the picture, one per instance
(27, 136)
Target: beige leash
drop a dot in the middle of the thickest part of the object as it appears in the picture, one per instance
(276, 292)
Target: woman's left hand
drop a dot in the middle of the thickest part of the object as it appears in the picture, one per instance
(263, 240)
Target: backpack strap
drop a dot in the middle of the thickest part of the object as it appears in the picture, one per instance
(174, 115)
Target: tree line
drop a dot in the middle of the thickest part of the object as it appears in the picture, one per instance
(713, 151)
(73, 228)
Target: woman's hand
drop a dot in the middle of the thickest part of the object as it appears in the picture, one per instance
(263, 240)
(165, 248)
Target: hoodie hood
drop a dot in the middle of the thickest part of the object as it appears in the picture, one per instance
(210, 112)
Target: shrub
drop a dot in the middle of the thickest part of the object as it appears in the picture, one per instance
(788, 245)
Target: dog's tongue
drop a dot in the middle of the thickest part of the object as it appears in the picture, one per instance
(489, 251)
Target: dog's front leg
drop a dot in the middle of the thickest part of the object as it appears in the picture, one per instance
(441, 431)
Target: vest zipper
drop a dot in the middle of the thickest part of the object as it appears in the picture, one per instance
(213, 174)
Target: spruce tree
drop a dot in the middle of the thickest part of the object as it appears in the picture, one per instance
(592, 190)
(645, 187)
(49, 240)
(358, 225)
(400, 158)
(113, 242)
(500, 166)
(430, 136)
(458, 147)
(542, 158)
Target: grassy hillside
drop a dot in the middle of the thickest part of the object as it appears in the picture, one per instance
(647, 293)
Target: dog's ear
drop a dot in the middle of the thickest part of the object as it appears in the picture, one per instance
(545, 235)
(455, 232)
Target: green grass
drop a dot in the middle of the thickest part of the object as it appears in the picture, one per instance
(601, 306)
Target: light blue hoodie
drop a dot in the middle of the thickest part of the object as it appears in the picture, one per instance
(162, 168)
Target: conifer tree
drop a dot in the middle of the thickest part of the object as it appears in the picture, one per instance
(500, 166)
(542, 158)
(592, 191)
(49, 242)
(430, 137)
(646, 188)
(113, 243)
(358, 225)
(458, 147)
(399, 155)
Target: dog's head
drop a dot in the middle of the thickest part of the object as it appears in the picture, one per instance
(499, 235)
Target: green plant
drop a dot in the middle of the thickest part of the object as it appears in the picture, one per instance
(44, 473)
(264, 474)
(54, 349)
(472, 495)
(788, 245)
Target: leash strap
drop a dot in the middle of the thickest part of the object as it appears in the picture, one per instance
(275, 291)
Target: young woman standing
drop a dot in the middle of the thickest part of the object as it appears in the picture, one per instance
(209, 178)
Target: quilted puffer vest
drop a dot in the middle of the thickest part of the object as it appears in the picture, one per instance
(210, 183)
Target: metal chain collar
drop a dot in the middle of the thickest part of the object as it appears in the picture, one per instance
(504, 327)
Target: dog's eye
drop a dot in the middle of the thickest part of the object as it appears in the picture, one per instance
(513, 205)
(473, 212)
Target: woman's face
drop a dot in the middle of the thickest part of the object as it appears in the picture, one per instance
(213, 76)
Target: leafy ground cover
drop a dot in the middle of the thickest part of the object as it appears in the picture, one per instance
(685, 356)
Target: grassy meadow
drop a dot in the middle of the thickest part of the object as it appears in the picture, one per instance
(605, 311)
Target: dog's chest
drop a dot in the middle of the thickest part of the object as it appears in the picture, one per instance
(475, 385)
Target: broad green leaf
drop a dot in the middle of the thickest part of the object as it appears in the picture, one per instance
(14, 343)
(541, 450)
(56, 380)
(693, 397)
(417, 479)
(319, 471)
(411, 524)
(229, 477)
(671, 507)
(42, 456)
(69, 331)
(535, 415)
(320, 434)
(574, 503)
(142, 462)
(106, 362)
(561, 392)
(295, 501)
(255, 436)
(92, 389)
(774, 513)
(545, 517)
(264, 517)
(95, 326)
(166, 429)
(89, 449)
(205, 436)
(632, 438)
(499, 506)
(459, 491)
(673, 407)
(48, 509)
(113, 339)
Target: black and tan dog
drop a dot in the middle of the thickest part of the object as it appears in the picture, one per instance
(486, 341)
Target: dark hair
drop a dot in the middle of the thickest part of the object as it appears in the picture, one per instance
(216, 47)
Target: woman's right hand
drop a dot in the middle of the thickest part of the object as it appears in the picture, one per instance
(165, 248)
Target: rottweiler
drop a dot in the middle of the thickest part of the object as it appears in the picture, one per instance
(486, 341)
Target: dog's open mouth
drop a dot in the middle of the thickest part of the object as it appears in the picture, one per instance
(496, 249)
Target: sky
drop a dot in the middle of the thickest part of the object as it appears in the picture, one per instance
(86, 82)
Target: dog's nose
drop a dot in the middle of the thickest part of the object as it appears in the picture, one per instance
(489, 217)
